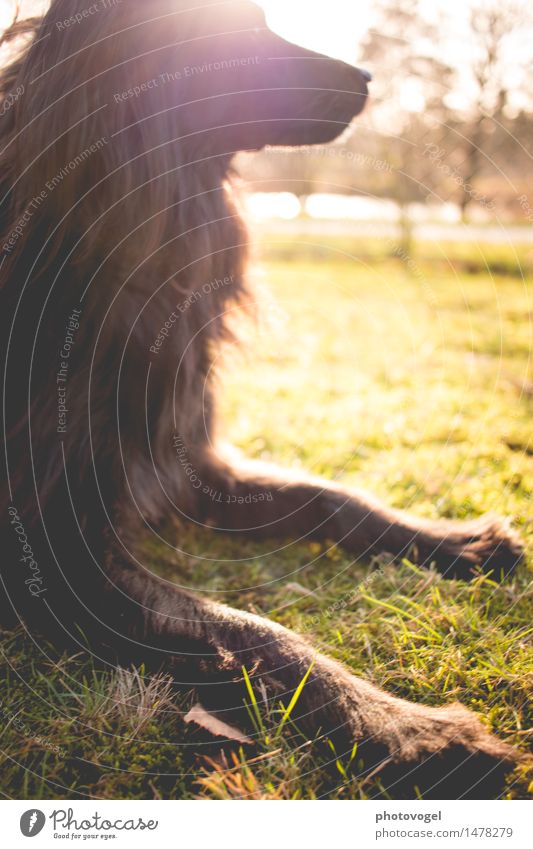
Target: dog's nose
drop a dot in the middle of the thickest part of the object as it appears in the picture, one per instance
(366, 74)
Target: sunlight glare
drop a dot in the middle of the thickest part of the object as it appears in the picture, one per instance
(336, 27)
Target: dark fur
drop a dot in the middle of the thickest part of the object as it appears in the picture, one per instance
(130, 232)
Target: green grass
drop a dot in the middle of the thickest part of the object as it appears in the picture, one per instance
(410, 378)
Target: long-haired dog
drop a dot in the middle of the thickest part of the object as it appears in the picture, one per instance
(123, 254)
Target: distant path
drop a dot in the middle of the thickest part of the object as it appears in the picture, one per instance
(517, 235)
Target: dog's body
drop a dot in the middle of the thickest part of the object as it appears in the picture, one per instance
(116, 208)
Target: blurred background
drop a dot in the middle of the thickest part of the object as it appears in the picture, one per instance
(444, 140)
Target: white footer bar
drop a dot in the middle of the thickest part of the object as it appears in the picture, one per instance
(258, 825)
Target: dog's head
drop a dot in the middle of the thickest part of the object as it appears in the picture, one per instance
(248, 87)
(132, 108)
(211, 68)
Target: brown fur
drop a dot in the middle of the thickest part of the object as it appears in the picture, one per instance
(135, 228)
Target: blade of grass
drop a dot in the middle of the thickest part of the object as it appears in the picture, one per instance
(403, 614)
(253, 700)
(293, 701)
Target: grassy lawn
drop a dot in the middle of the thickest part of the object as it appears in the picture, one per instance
(412, 378)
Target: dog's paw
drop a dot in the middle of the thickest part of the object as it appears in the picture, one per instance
(489, 543)
(447, 753)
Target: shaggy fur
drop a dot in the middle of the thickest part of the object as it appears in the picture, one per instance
(123, 256)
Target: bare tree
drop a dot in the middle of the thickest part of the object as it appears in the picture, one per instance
(409, 88)
(493, 28)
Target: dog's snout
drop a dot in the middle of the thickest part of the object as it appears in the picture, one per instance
(366, 74)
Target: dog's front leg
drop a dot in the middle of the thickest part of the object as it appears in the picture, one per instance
(444, 751)
(261, 501)
(103, 600)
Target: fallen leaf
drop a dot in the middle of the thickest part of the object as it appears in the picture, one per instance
(211, 723)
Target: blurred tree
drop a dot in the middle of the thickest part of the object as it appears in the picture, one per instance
(408, 90)
(493, 33)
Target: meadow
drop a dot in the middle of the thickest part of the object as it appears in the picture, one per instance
(408, 374)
